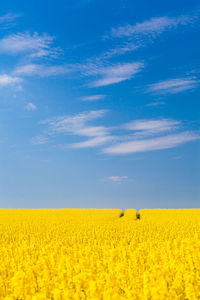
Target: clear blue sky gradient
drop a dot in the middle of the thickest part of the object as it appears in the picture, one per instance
(99, 104)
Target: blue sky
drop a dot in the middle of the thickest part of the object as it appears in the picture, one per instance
(99, 104)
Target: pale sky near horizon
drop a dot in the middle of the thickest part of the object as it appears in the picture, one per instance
(99, 104)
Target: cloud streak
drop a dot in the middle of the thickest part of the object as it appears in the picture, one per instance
(39, 140)
(33, 45)
(92, 98)
(30, 106)
(8, 20)
(173, 86)
(77, 124)
(115, 73)
(94, 142)
(157, 143)
(117, 179)
(133, 37)
(147, 127)
(144, 134)
(42, 70)
(6, 80)
(152, 27)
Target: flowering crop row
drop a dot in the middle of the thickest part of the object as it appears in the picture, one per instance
(98, 254)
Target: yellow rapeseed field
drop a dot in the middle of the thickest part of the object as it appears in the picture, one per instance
(99, 254)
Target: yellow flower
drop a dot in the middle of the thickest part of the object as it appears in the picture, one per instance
(99, 254)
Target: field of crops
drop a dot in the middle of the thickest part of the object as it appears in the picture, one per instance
(99, 254)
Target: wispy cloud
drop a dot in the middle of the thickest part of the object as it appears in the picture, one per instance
(34, 45)
(121, 49)
(8, 20)
(94, 142)
(144, 134)
(106, 74)
(157, 143)
(42, 70)
(30, 106)
(92, 98)
(140, 34)
(8, 80)
(151, 126)
(173, 86)
(155, 103)
(152, 27)
(77, 124)
(118, 179)
(39, 140)
(115, 73)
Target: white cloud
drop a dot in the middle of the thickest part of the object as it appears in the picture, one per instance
(8, 20)
(92, 98)
(30, 106)
(152, 27)
(34, 45)
(152, 126)
(77, 124)
(157, 143)
(145, 134)
(117, 179)
(115, 73)
(173, 86)
(39, 140)
(94, 142)
(106, 74)
(140, 34)
(122, 49)
(29, 69)
(91, 131)
(42, 70)
(8, 80)
(156, 103)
